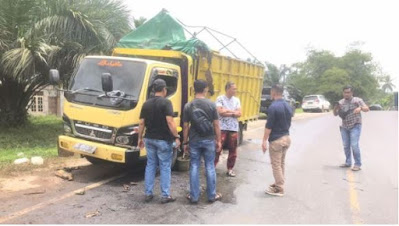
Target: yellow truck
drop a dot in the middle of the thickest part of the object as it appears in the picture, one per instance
(104, 98)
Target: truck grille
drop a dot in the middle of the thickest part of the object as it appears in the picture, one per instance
(93, 131)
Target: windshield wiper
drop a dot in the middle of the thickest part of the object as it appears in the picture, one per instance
(86, 89)
(117, 94)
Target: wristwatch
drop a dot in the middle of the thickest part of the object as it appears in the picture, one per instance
(177, 137)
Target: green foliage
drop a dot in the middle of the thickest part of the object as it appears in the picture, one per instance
(324, 73)
(38, 137)
(274, 75)
(387, 84)
(36, 35)
(331, 83)
(138, 22)
(386, 100)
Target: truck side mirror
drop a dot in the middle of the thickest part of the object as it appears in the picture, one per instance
(106, 81)
(54, 76)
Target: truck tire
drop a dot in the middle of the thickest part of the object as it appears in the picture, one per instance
(174, 158)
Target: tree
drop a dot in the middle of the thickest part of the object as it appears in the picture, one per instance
(274, 75)
(324, 73)
(331, 83)
(37, 35)
(138, 22)
(388, 85)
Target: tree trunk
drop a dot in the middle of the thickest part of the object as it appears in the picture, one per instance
(13, 104)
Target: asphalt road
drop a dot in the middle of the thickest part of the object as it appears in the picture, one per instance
(317, 190)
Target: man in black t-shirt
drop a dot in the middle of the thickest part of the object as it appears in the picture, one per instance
(157, 117)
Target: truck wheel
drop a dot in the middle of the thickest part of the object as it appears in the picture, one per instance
(174, 158)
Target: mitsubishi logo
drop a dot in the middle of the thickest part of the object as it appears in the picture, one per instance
(92, 134)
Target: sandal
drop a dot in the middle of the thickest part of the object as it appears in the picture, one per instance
(218, 197)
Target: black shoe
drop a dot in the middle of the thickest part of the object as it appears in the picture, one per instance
(344, 166)
(148, 198)
(167, 199)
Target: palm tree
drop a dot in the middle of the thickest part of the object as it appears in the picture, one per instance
(274, 75)
(36, 35)
(387, 84)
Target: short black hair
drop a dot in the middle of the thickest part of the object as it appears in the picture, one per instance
(158, 85)
(200, 85)
(278, 88)
(348, 87)
(228, 85)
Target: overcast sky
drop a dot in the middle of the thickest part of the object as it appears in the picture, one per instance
(281, 31)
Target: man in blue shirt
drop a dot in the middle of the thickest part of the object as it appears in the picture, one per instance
(277, 132)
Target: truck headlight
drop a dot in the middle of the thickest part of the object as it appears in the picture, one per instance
(122, 140)
(127, 135)
(67, 129)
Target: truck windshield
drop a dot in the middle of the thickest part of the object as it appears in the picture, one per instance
(127, 76)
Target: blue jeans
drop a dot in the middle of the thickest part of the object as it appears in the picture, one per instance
(204, 148)
(159, 153)
(350, 139)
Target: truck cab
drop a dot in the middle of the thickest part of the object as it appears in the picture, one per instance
(103, 103)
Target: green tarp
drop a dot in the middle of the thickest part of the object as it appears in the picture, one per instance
(163, 32)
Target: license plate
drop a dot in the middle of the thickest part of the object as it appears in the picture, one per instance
(85, 148)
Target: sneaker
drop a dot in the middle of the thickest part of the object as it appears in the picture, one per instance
(272, 186)
(274, 191)
(344, 165)
(148, 198)
(356, 168)
(167, 199)
(230, 173)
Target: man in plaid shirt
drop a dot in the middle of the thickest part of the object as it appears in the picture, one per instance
(349, 110)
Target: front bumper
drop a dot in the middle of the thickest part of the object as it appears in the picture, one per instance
(311, 108)
(102, 151)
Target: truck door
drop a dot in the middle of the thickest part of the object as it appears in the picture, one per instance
(173, 86)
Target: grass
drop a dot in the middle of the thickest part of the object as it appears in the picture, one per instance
(298, 111)
(37, 138)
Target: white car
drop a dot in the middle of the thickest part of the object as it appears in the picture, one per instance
(315, 103)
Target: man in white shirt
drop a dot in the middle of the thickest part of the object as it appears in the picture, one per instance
(229, 109)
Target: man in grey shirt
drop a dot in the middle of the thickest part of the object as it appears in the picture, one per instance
(200, 142)
(349, 110)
